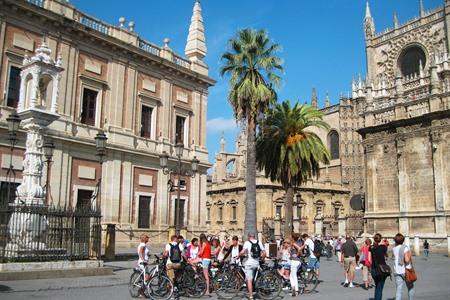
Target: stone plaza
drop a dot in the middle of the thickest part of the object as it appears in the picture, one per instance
(433, 284)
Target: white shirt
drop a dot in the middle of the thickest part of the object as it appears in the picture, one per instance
(398, 268)
(235, 254)
(310, 245)
(250, 260)
(193, 251)
(146, 253)
(168, 250)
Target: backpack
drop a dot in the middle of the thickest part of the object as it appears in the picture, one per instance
(175, 253)
(255, 250)
(318, 247)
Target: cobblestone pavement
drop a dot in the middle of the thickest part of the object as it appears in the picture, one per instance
(433, 283)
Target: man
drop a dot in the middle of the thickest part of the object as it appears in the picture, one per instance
(426, 248)
(234, 251)
(313, 262)
(349, 251)
(254, 251)
(174, 252)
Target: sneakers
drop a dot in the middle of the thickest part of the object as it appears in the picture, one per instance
(346, 284)
(351, 285)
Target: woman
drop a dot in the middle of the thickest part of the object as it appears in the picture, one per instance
(285, 253)
(143, 254)
(192, 252)
(296, 252)
(403, 261)
(365, 259)
(379, 254)
(216, 252)
(205, 255)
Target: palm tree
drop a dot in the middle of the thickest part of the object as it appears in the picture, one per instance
(289, 153)
(252, 66)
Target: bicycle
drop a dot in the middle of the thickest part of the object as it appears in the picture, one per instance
(228, 284)
(190, 282)
(307, 278)
(159, 286)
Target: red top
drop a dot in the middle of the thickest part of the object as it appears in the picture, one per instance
(206, 253)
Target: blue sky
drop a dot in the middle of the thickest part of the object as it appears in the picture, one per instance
(322, 40)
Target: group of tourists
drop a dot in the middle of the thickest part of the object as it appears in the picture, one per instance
(371, 257)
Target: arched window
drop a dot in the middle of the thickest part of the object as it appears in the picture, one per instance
(410, 60)
(333, 144)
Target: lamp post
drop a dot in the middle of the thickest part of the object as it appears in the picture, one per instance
(100, 145)
(13, 125)
(178, 171)
(49, 147)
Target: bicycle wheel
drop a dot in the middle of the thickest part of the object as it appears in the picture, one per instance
(268, 285)
(159, 287)
(198, 286)
(227, 285)
(135, 284)
(308, 281)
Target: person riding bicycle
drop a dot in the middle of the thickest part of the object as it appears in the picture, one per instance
(174, 254)
(254, 251)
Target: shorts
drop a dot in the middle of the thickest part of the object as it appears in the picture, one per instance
(249, 271)
(205, 263)
(286, 265)
(313, 263)
(147, 268)
(171, 270)
(349, 264)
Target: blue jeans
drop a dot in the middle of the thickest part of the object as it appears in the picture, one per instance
(425, 252)
(379, 285)
(400, 283)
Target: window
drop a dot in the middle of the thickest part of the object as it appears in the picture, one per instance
(299, 212)
(181, 203)
(7, 192)
(208, 214)
(333, 144)
(410, 60)
(278, 211)
(220, 213)
(336, 212)
(88, 108)
(13, 87)
(179, 127)
(234, 212)
(146, 121)
(144, 212)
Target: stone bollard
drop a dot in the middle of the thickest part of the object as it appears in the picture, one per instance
(416, 245)
(448, 246)
(110, 242)
(407, 242)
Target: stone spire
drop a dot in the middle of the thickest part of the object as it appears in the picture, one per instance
(196, 46)
(327, 100)
(314, 98)
(421, 9)
(369, 24)
(395, 20)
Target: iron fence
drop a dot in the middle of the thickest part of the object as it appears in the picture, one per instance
(48, 233)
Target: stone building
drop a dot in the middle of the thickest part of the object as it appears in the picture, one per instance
(143, 96)
(404, 121)
(321, 206)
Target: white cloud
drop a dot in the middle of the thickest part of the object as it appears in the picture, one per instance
(221, 124)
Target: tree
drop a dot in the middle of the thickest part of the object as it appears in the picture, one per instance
(289, 153)
(252, 66)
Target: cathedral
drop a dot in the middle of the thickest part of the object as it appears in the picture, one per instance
(388, 141)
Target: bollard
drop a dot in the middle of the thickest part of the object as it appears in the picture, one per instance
(110, 243)
(448, 246)
(408, 242)
(416, 245)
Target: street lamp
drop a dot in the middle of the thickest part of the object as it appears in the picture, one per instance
(100, 145)
(178, 171)
(13, 121)
(49, 147)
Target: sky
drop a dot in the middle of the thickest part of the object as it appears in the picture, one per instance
(322, 41)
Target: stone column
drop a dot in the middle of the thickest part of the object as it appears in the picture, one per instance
(371, 182)
(402, 187)
(342, 225)
(416, 245)
(318, 224)
(440, 184)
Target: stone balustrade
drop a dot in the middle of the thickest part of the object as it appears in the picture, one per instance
(127, 35)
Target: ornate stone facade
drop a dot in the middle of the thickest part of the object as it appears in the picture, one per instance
(143, 96)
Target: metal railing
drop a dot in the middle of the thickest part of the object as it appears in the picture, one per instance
(43, 233)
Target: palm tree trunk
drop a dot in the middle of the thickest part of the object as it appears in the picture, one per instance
(250, 225)
(288, 212)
